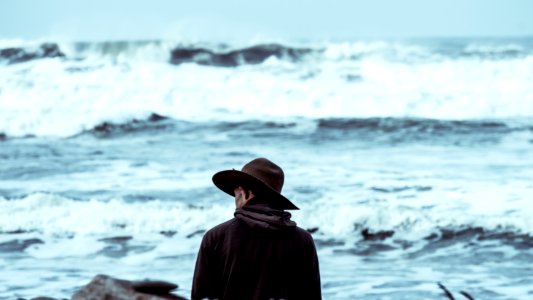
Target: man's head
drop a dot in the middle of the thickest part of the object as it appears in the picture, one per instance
(261, 176)
(242, 196)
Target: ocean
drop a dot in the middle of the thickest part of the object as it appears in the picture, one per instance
(411, 160)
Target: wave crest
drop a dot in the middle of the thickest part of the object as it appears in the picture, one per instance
(250, 55)
(65, 216)
(63, 97)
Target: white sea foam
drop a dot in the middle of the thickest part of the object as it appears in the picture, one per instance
(346, 51)
(155, 51)
(58, 97)
(493, 49)
(53, 215)
(18, 42)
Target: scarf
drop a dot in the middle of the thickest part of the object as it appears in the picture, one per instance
(264, 216)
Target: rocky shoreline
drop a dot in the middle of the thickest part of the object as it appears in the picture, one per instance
(109, 288)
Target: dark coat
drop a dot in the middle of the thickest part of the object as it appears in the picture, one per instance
(259, 254)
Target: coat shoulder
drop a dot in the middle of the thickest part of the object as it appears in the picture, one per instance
(304, 234)
(220, 229)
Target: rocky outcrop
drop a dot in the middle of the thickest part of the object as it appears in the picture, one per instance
(19, 55)
(109, 288)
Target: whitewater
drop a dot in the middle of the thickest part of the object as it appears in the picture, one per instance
(92, 84)
(410, 160)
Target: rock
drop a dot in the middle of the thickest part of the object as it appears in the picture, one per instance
(377, 236)
(20, 55)
(156, 117)
(109, 288)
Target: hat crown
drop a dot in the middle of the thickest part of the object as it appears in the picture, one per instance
(266, 171)
(260, 175)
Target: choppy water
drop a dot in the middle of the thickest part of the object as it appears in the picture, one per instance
(410, 160)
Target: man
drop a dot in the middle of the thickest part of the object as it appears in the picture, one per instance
(260, 253)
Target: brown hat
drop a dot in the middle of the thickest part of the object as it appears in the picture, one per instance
(260, 175)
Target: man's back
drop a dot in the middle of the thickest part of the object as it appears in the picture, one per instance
(238, 260)
(261, 253)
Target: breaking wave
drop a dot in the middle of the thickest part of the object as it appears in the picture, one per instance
(250, 55)
(64, 89)
(51, 214)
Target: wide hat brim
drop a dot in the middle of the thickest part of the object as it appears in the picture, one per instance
(228, 180)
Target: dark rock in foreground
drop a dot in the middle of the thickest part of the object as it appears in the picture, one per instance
(109, 288)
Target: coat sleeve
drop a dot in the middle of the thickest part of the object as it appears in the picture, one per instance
(203, 279)
(314, 287)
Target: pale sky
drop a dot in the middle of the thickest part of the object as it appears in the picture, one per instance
(208, 20)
